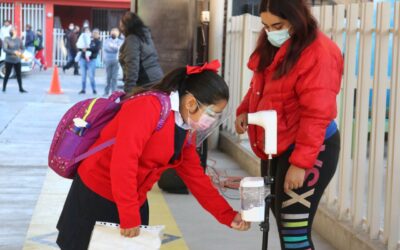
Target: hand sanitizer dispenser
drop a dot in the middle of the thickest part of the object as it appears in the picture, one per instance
(252, 196)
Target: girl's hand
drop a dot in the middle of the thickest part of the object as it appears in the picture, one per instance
(130, 232)
(239, 224)
(294, 178)
(241, 123)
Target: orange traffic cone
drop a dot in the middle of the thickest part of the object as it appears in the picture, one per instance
(55, 88)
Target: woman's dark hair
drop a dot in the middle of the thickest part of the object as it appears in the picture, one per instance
(303, 33)
(133, 25)
(207, 87)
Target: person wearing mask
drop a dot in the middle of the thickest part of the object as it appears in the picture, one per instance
(5, 30)
(297, 72)
(72, 50)
(110, 56)
(14, 48)
(138, 56)
(39, 54)
(90, 49)
(112, 185)
(29, 39)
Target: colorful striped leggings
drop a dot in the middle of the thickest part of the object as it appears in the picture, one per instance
(294, 211)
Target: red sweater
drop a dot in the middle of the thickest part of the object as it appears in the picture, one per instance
(305, 99)
(126, 171)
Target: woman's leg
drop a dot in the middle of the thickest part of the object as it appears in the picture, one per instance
(295, 210)
(18, 73)
(92, 74)
(7, 75)
(83, 65)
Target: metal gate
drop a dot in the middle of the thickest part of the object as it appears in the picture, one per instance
(34, 15)
(6, 12)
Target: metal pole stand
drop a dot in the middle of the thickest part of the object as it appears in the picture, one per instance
(264, 226)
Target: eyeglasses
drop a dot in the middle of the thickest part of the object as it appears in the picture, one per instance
(208, 110)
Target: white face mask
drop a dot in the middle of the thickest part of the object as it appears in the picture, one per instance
(279, 37)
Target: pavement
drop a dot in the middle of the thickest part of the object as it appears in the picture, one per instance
(32, 196)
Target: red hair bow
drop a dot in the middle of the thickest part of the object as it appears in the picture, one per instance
(212, 66)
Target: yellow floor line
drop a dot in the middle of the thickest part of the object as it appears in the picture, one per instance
(160, 214)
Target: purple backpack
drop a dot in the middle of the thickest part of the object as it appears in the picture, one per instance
(81, 126)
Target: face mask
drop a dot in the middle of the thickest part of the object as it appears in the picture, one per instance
(279, 37)
(113, 36)
(203, 123)
(71, 27)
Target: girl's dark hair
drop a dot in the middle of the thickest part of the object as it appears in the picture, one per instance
(207, 87)
(133, 25)
(303, 33)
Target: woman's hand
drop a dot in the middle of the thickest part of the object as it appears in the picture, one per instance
(239, 224)
(241, 123)
(18, 53)
(130, 232)
(294, 178)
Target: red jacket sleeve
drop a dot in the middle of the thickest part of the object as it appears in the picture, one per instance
(201, 187)
(316, 89)
(137, 121)
(244, 105)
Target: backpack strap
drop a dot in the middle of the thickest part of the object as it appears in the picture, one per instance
(165, 109)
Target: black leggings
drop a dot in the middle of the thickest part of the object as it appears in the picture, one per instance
(294, 211)
(17, 68)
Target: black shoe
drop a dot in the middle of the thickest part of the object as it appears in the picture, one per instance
(82, 92)
(23, 91)
(76, 74)
(94, 92)
(4, 91)
(63, 69)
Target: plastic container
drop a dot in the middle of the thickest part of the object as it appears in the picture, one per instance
(252, 196)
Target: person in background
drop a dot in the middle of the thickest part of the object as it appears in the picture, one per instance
(88, 58)
(112, 185)
(29, 39)
(39, 50)
(14, 48)
(138, 56)
(111, 48)
(72, 50)
(5, 30)
(297, 72)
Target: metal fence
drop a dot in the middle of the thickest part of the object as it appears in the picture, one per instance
(365, 189)
(6, 12)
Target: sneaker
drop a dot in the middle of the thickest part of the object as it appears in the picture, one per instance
(94, 92)
(23, 91)
(82, 92)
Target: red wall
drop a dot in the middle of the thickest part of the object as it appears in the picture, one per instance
(72, 14)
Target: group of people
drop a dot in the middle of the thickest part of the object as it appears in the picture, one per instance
(14, 48)
(129, 46)
(296, 71)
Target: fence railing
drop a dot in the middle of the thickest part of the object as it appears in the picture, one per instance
(6, 11)
(60, 51)
(366, 188)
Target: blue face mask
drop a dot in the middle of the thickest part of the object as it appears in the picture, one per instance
(279, 37)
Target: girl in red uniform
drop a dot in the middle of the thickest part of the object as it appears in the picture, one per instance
(112, 184)
(297, 72)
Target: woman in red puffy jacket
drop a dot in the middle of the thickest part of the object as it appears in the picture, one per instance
(297, 72)
(112, 184)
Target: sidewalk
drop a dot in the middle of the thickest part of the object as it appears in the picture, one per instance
(31, 197)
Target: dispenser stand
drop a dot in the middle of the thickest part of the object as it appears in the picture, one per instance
(264, 226)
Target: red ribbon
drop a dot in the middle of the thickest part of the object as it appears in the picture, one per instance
(212, 66)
